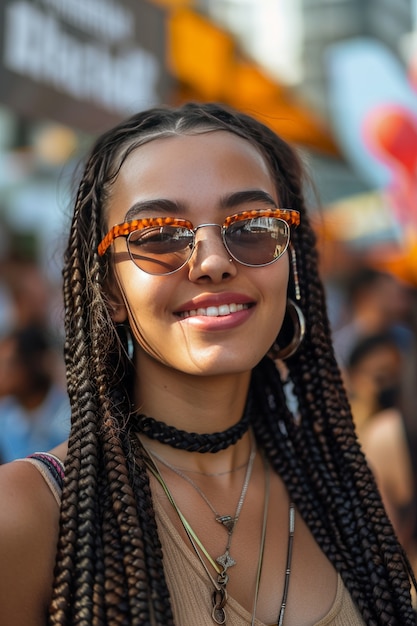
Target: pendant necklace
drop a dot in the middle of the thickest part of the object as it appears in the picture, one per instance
(220, 596)
(227, 521)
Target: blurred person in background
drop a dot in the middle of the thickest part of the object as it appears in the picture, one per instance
(373, 375)
(376, 303)
(389, 441)
(379, 381)
(31, 296)
(34, 408)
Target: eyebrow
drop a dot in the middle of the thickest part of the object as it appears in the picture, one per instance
(171, 207)
(161, 204)
(250, 195)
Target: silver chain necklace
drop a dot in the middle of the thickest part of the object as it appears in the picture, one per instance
(228, 521)
(219, 598)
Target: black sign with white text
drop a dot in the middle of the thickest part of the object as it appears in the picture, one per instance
(84, 63)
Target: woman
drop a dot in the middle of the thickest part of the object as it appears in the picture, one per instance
(373, 376)
(192, 495)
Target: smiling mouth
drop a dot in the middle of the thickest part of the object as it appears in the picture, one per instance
(214, 311)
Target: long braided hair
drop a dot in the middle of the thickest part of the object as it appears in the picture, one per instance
(109, 567)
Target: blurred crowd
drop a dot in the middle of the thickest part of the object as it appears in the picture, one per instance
(34, 408)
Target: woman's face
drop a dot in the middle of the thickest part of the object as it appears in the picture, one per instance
(198, 175)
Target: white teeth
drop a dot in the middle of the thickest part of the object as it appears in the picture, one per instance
(215, 311)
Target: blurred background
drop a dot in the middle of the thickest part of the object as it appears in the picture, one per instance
(337, 78)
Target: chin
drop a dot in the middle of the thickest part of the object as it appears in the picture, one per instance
(222, 366)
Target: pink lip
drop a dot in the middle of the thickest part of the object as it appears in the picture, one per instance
(221, 322)
(217, 299)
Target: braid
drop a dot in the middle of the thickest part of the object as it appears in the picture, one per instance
(323, 466)
(103, 559)
(109, 566)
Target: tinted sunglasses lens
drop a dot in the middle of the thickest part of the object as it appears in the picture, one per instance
(257, 241)
(160, 249)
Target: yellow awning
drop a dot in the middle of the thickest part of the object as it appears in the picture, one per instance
(208, 66)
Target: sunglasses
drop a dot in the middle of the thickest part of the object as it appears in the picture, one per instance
(163, 245)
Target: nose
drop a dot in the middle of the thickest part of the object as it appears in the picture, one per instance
(210, 260)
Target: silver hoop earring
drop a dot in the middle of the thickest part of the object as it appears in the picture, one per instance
(126, 340)
(282, 348)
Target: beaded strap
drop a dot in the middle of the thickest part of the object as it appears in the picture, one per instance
(51, 469)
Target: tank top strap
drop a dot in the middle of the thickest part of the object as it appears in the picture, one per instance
(52, 470)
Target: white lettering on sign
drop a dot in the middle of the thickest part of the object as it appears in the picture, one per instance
(37, 47)
(99, 17)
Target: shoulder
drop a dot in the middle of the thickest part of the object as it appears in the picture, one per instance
(29, 522)
(384, 431)
(386, 448)
(23, 493)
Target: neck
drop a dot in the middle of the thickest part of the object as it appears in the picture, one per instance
(192, 403)
(195, 404)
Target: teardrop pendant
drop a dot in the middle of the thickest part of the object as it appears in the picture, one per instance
(228, 521)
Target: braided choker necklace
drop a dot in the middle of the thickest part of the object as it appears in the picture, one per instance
(191, 442)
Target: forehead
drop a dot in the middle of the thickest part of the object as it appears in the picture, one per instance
(205, 144)
(191, 168)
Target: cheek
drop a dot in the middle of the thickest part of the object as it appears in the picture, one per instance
(278, 317)
(145, 305)
(147, 298)
(142, 300)
(279, 287)
(275, 286)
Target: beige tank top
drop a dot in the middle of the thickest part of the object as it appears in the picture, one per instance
(188, 584)
(191, 590)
